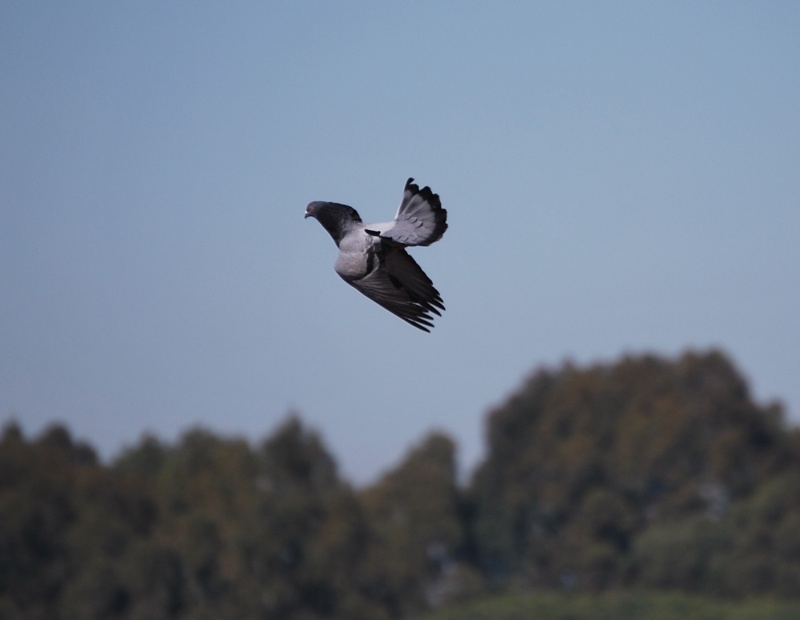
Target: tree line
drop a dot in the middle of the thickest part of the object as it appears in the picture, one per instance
(644, 473)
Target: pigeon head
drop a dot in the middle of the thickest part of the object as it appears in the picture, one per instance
(334, 217)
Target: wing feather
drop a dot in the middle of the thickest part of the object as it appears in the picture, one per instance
(398, 283)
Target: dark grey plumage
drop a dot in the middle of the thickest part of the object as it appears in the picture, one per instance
(372, 257)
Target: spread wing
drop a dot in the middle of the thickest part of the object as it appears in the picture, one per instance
(420, 219)
(397, 283)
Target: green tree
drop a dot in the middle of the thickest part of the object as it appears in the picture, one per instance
(65, 524)
(270, 532)
(582, 461)
(36, 513)
(416, 514)
(309, 542)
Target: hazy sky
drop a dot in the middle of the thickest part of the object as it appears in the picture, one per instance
(619, 177)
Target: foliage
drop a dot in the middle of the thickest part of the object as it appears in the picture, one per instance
(210, 528)
(755, 548)
(582, 462)
(616, 606)
(647, 473)
(417, 520)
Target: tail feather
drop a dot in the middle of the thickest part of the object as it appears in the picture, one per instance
(420, 219)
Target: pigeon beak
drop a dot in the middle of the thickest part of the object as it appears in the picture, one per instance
(309, 211)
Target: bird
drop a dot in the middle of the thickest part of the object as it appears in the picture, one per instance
(373, 259)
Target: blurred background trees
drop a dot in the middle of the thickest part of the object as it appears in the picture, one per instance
(647, 472)
(581, 463)
(417, 517)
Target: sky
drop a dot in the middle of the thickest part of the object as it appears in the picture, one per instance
(620, 178)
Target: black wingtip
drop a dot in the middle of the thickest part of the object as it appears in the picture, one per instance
(419, 325)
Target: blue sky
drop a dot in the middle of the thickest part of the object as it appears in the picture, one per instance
(620, 178)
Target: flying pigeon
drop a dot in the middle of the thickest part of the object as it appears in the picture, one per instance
(373, 258)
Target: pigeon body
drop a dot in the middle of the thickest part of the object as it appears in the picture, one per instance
(372, 257)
